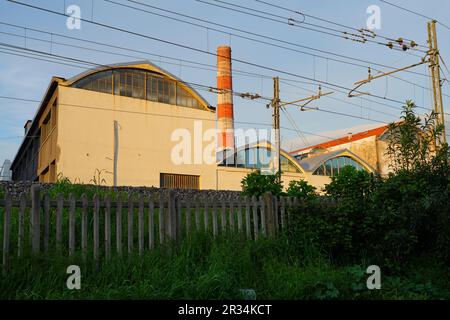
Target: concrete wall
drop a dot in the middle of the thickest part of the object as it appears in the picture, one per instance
(230, 178)
(86, 138)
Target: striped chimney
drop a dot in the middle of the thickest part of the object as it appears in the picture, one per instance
(225, 117)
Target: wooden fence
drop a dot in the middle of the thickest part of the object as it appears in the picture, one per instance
(96, 226)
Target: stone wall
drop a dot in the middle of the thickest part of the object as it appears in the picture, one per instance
(16, 188)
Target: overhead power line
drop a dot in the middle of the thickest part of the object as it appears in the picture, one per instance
(212, 68)
(273, 39)
(292, 22)
(203, 66)
(415, 13)
(39, 54)
(203, 51)
(368, 63)
(331, 22)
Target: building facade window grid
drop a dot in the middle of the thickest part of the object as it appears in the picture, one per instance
(139, 84)
(257, 158)
(333, 166)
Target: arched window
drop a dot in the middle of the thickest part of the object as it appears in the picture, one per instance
(333, 166)
(139, 84)
(257, 158)
(100, 82)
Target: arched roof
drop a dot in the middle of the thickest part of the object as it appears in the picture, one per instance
(266, 144)
(313, 163)
(146, 66)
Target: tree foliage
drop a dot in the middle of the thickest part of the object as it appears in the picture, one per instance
(257, 184)
(412, 141)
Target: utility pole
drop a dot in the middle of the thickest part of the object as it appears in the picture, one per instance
(276, 126)
(436, 78)
(277, 105)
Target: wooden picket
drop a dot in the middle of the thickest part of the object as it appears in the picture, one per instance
(254, 217)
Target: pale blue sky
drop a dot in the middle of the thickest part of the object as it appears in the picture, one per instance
(27, 78)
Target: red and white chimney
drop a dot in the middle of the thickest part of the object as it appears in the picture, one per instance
(225, 117)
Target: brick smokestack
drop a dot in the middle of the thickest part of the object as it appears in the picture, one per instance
(225, 117)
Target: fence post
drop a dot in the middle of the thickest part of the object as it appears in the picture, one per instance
(119, 225)
(289, 209)
(107, 226)
(247, 218)
(188, 217)
(269, 213)
(214, 218)
(151, 232)
(206, 212)
(71, 224)
(6, 231)
(255, 217)
(231, 214)
(197, 213)
(223, 217)
(178, 218)
(283, 212)
(239, 217)
(263, 216)
(59, 213)
(35, 218)
(23, 205)
(172, 215)
(96, 226)
(161, 218)
(130, 223)
(84, 224)
(275, 214)
(46, 200)
(141, 225)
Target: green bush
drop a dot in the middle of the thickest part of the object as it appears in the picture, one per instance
(351, 183)
(390, 222)
(301, 189)
(257, 184)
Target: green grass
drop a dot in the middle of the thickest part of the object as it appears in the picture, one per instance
(203, 268)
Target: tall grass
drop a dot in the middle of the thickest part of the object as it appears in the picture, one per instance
(201, 267)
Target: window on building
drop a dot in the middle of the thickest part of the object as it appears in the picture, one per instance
(129, 83)
(333, 166)
(185, 99)
(179, 181)
(53, 119)
(99, 82)
(257, 158)
(140, 84)
(46, 126)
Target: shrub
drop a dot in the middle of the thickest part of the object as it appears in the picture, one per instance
(257, 184)
(351, 183)
(301, 189)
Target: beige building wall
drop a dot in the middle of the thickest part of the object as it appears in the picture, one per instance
(318, 181)
(230, 178)
(49, 151)
(86, 138)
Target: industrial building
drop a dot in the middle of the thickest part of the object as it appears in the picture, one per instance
(114, 125)
(369, 146)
